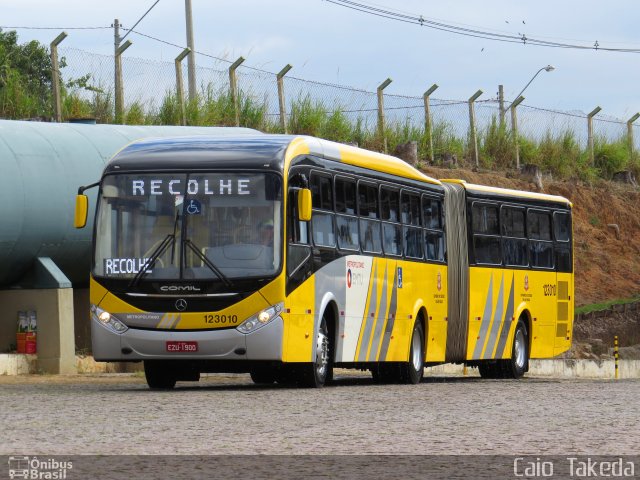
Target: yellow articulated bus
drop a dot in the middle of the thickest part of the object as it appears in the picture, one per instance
(287, 256)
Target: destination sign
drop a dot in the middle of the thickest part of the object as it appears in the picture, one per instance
(199, 186)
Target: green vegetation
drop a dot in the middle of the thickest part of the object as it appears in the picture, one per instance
(25, 92)
(597, 307)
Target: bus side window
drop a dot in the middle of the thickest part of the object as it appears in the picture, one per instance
(486, 234)
(540, 240)
(322, 221)
(514, 241)
(562, 235)
(370, 231)
(435, 246)
(298, 249)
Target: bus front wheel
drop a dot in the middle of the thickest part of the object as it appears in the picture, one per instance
(320, 371)
(160, 375)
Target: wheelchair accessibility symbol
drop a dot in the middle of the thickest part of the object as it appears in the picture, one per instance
(194, 207)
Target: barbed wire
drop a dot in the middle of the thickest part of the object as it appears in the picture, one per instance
(148, 82)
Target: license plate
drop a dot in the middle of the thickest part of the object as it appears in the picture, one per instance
(182, 347)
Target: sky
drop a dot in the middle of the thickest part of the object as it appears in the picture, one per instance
(329, 43)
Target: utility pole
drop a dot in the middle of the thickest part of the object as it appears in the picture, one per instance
(191, 59)
(117, 82)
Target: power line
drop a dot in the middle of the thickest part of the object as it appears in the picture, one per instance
(422, 21)
(54, 28)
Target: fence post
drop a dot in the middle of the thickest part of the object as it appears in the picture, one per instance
(233, 86)
(180, 85)
(55, 77)
(630, 133)
(514, 128)
(381, 87)
(191, 61)
(501, 103)
(427, 120)
(590, 116)
(283, 111)
(472, 126)
(119, 93)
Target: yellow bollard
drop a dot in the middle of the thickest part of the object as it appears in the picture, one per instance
(464, 370)
(616, 355)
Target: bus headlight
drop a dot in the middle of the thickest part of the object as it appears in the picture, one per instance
(108, 320)
(260, 319)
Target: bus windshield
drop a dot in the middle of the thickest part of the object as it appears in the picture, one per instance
(202, 226)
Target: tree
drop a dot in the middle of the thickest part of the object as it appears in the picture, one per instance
(25, 78)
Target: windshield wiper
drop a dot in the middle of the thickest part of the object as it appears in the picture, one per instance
(159, 250)
(208, 262)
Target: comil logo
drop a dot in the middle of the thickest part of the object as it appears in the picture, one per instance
(35, 468)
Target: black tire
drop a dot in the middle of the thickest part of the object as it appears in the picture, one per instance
(518, 364)
(263, 375)
(320, 371)
(160, 375)
(411, 372)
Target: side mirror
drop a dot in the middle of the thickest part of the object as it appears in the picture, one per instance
(82, 208)
(304, 205)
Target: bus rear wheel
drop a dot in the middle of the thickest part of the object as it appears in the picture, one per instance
(160, 375)
(518, 364)
(412, 371)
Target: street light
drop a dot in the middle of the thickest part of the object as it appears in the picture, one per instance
(548, 68)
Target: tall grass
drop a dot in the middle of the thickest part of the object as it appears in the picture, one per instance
(558, 153)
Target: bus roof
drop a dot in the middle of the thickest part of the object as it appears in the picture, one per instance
(252, 150)
(358, 157)
(507, 192)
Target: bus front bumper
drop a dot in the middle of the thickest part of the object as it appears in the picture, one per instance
(224, 344)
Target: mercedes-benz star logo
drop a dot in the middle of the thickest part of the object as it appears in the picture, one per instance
(181, 304)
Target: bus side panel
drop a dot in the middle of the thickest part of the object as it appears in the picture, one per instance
(564, 325)
(537, 291)
(497, 298)
(432, 282)
(298, 323)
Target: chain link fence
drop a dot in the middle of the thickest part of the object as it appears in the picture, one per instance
(149, 84)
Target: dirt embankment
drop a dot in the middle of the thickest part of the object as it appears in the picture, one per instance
(593, 333)
(607, 265)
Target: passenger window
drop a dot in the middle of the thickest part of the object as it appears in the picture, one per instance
(562, 226)
(563, 258)
(434, 246)
(513, 222)
(345, 196)
(485, 219)
(347, 232)
(370, 238)
(432, 211)
(390, 204)
(514, 252)
(392, 239)
(487, 250)
(541, 254)
(411, 209)
(368, 200)
(413, 242)
(323, 231)
(538, 225)
(321, 192)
